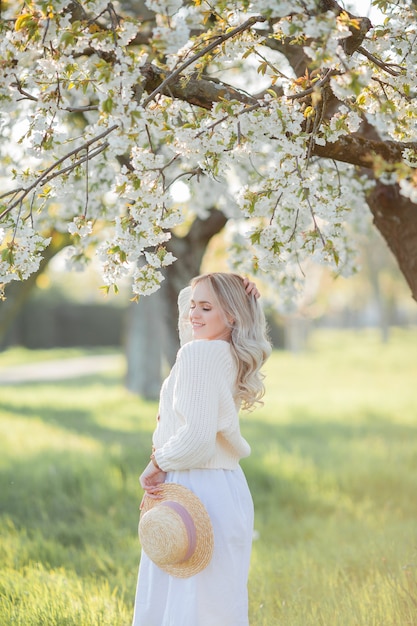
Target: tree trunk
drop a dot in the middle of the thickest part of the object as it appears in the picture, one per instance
(296, 333)
(152, 337)
(396, 219)
(144, 346)
(378, 297)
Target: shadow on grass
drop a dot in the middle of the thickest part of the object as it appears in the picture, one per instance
(310, 436)
(84, 422)
(75, 512)
(315, 467)
(71, 493)
(76, 509)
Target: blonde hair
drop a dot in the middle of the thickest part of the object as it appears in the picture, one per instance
(249, 343)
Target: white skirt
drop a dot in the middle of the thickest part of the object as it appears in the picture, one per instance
(216, 596)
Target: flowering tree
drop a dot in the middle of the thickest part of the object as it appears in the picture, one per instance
(286, 116)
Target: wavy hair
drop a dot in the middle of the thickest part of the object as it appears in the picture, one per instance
(250, 346)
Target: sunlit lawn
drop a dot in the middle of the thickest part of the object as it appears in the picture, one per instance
(333, 474)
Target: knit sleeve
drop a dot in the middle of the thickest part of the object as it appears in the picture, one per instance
(201, 368)
(184, 326)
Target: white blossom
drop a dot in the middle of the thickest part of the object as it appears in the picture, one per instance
(409, 189)
(146, 280)
(166, 7)
(80, 226)
(173, 38)
(75, 92)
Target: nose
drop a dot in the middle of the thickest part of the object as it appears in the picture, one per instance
(194, 314)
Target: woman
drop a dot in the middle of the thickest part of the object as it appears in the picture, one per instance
(197, 443)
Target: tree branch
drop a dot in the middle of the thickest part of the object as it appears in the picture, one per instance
(47, 175)
(354, 148)
(219, 40)
(387, 67)
(203, 92)
(360, 151)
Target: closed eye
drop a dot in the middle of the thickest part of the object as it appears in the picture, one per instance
(205, 306)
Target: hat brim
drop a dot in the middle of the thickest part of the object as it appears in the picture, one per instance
(204, 532)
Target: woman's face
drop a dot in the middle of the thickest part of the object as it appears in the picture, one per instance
(207, 319)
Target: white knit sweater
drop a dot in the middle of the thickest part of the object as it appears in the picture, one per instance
(198, 423)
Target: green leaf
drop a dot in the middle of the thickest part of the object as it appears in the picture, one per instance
(68, 39)
(107, 105)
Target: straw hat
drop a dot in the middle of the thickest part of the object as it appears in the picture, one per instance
(175, 531)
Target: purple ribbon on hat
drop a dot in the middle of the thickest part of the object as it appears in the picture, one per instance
(188, 523)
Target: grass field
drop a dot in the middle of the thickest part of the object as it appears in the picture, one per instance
(333, 474)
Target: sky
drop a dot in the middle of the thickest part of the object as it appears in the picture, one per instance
(364, 9)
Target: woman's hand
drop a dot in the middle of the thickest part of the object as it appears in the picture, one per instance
(251, 288)
(151, 478)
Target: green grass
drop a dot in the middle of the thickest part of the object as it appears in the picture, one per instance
(333, 472)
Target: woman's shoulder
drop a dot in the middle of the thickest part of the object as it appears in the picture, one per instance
(211, 359)
(204, 348)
